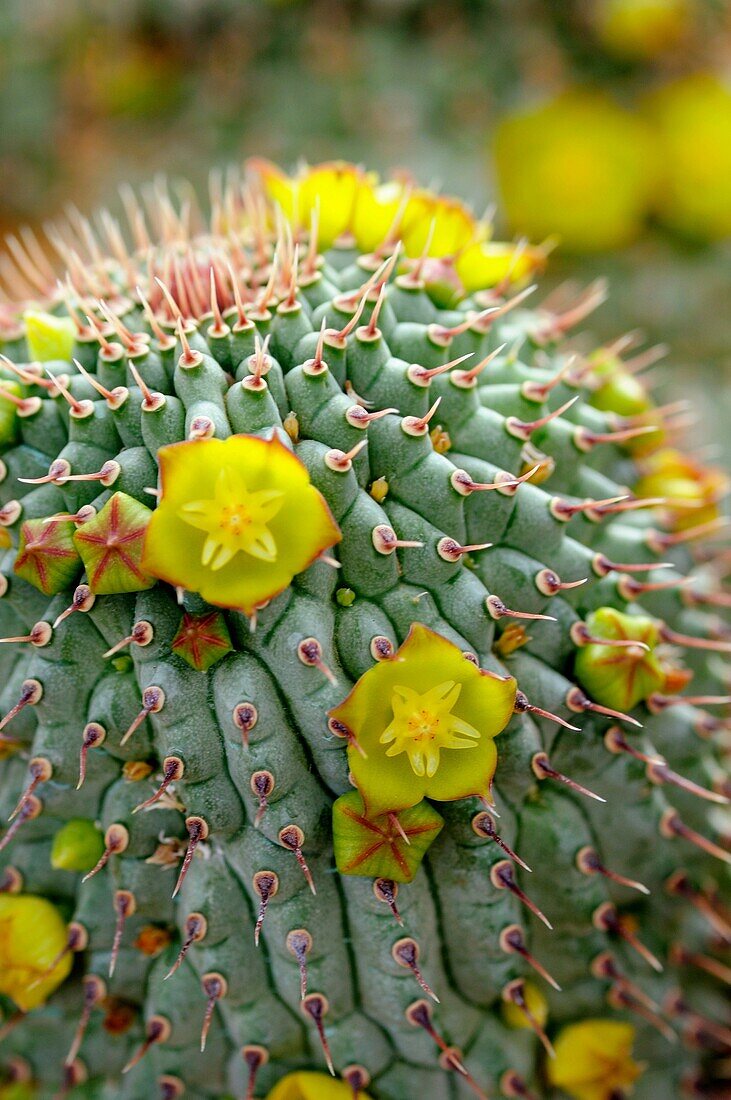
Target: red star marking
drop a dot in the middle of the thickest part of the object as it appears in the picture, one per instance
(114, 539)
(198, 633)
(389, 835)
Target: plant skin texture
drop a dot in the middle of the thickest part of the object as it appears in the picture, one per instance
(362, 697)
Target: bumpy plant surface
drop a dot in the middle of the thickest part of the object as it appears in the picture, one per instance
(362, 681)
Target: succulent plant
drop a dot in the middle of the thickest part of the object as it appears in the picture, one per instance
(332, 610)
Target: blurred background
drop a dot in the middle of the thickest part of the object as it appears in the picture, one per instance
(603, 123)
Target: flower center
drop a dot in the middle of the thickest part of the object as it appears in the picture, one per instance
(234, 519)
(423, 725)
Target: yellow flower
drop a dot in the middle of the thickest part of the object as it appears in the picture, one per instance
(237, 519)
(579, 167)
(692, 117)
(487, 263)
(306, 1085)
(411, 716)
(32, 934)
(594, 1060)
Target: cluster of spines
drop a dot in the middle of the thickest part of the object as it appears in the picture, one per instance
(244, 761)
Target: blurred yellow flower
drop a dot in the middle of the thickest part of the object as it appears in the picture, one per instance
(643, 29)
(306, 1085)
(578, 167)
(692, 118)
(32, 934)
(594, 1060)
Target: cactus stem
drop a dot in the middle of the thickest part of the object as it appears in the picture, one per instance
(619, 996)
(116, 841)
(125, 905)
(659, 773)
(266, 885)
(299, 944)
(153, 700)
(255, 1057)
(157, 1030)
(680, 956)
(502, 877)
(589, 863)
(607, 919)
(543, 770)
(172, 771)
(386, 890)
(512, 942)
(215, 987)
(483, 825)
(195, 929)
(523, 706)
(41, 771)
(524, 429)
(197, 831)
(578, 702)
(514, 993)
(95, 992)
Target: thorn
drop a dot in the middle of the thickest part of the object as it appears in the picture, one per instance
(125, 905)
(689, 642)
(604, 967)
(197, 831)
(77, 939)
(31, 692)
(514, 993)
(170, 1087)
(78, 408)
(549, 583)
(92, 737)
(564, 510)
(385, 540)
(615, 742)
(58, 471)
(172, 772)
(580, 636)
(484, 825)
(116, 841)
(660, 541)
(524, 429)
(620, 996)
(153, 700)
(578, 702)
(292, 838)
(602, 566)
(419, 1014)
(607, 919)
(371, 330)
(106, 475)
(543, 770)
(358, 1078)
(498, 610)
(406, 953)
(108, 395)
(586, 440)
(95, 991)
(503, 878)
(539, 391)
(309, 652)
(512, 942)
(680, 956)
(679, 885)
(463, 483)
(142, 634)
(26, 406)
(630, 589)
(451, 1059)
(659, 773)
(299, 944)
(513, 1085)
(83, 600)
(157, 1030)
(523, 706)
(255, 1057)
(419, 425)
(262, 785)
(194, 930)
(589, 863)
(266, 885)
(672, 825)
(40, 772)
(422, 376)
(30, 809)
(214, 986)
(342, 461)
(479, 321)
(316, 1007)
(386, 890)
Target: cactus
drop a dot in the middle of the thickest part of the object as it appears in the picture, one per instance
(347, 732)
